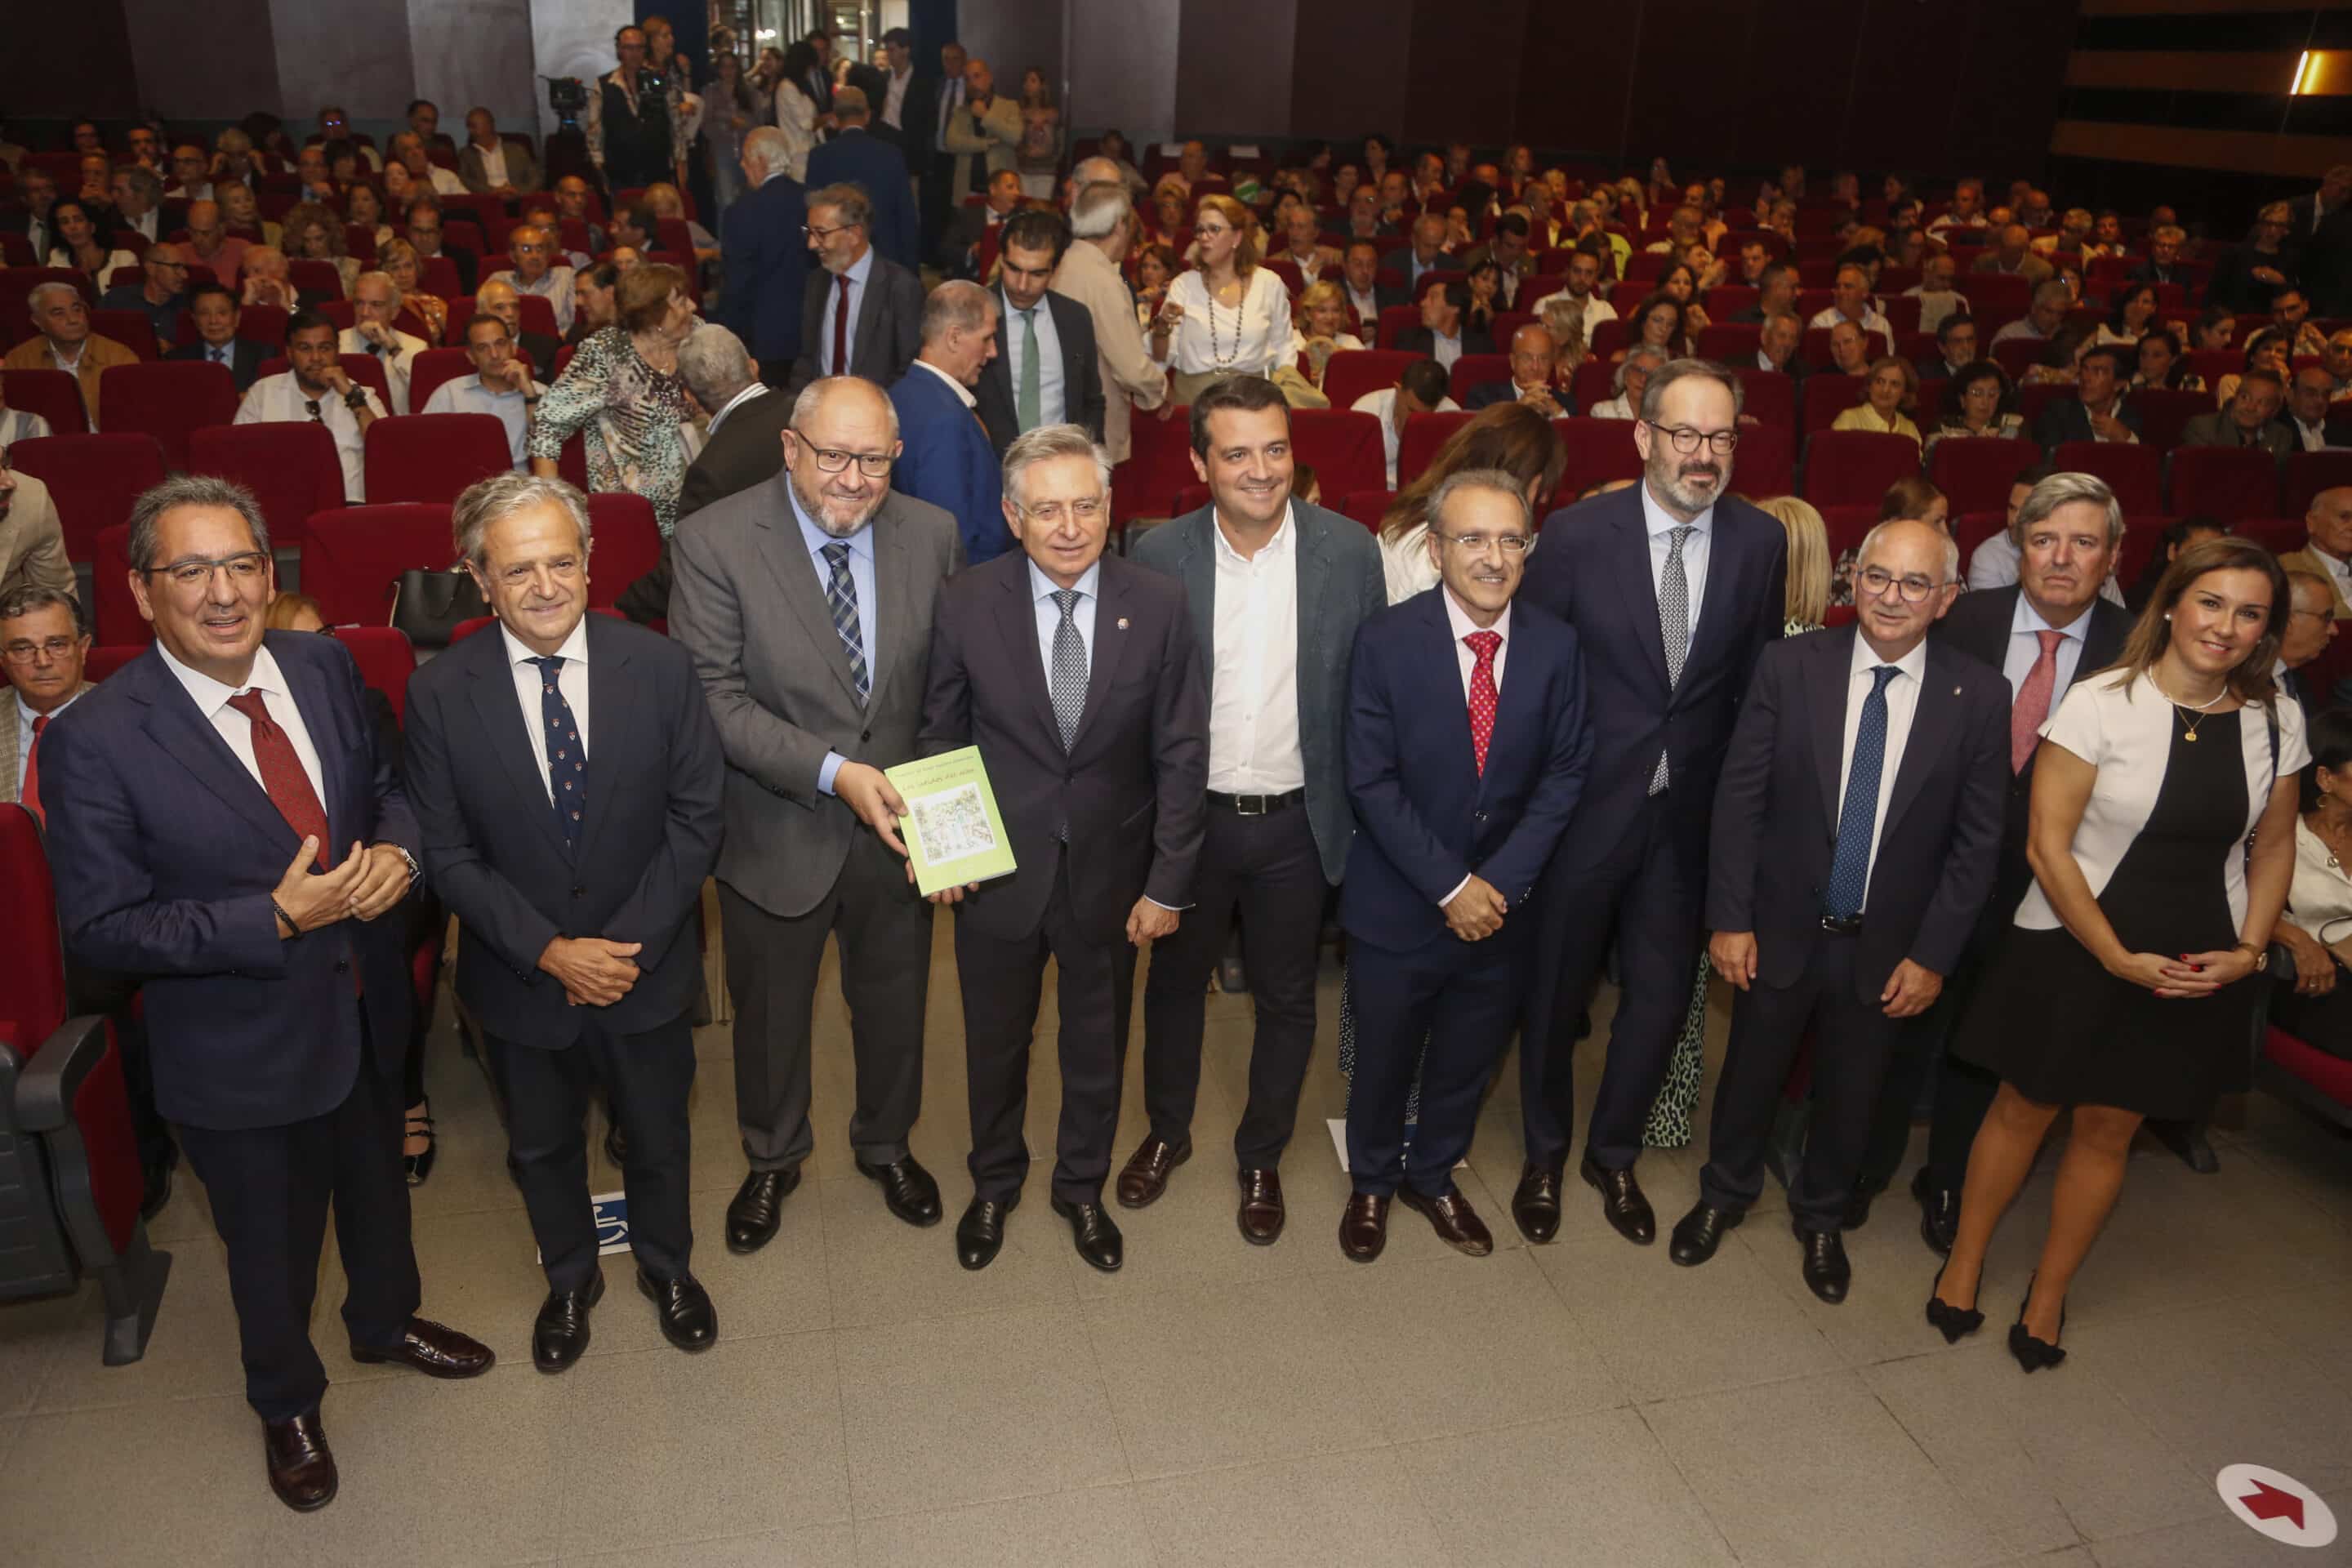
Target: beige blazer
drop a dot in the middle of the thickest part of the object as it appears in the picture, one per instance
(100, 356)
(33, 541)
(2304, 559)
(9, 759)
(1129, 373)
(996, 140)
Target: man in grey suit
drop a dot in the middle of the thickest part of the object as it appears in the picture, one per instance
(807, 603)
(861, 314)
(1277, 589)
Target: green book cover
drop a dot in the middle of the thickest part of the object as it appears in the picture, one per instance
(952, 828)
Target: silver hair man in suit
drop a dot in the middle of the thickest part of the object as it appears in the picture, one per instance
(807, 603)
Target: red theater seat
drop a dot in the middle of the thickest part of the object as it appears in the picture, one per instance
(1855, 467)
(1477, 369)
(168, 401)
(385, 660)
(1344, 448)
(2308, 473)
(1827, 396)
(1596, 452)
(2136, 473)
(627, 543)
(2163, 412)
(1975, 473)
(2226, 483)
(132, 329)
(1424, 436)
(1160, 465)
(433, 456)
(430, 369)
(93, 479)
(355, 556)
(292, 468)
(1355, 372)
(52, 394)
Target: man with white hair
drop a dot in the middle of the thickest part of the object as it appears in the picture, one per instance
(532, 250)
(62, 341)
(1088, 172)
(1102, 225)
(741, 447)
(948, 458)
(375, 306)
(764, 250)
(139, 203)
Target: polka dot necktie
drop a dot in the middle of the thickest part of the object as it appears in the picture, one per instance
(1482, 693)
(567, 759)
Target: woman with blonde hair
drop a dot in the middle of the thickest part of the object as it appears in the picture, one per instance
(397, 260)
(663, 197)
(314, 233)
(1320, 330)
(1228, 317)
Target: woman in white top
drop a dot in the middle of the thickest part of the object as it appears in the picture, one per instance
(1321, 330)
(1231, 317)
(2133, 315)
(80, 247)
(2113, 993)
(2317, 925)
(796, 114)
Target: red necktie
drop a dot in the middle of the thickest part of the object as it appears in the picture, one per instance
(2033, 705)
(282, 775)
(841, 330)
(31, 794)
(1482, 693)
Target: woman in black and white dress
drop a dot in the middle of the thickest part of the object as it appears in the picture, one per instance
(2116, 991)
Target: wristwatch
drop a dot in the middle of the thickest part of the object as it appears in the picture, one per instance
(356, 399)
(416, 871)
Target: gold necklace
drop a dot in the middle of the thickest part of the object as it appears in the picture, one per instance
(2179, 709)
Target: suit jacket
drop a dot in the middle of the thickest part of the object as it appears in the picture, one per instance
(9, 759)
(967, 226)
(494, 853)
(2218, 429)
(1427, 816)
(1601, 586)
(32, 541)
(766, 260)
(1400, 261)
(747, 605)
(167, 851)
(1124, 368)
(244, 359)
(1978, 624)
(100, 354)
(860, 158)
(1487, 394)
(2065, 419)
(522, 168)
(919, 120)
(2148, 271)
(2034, 268)
(889, 329)
(948, 461)
(1082, 388)
(983, 144)
(1341, 587)
(1421, 341)
(1777, 803)
(1132, 786)
(746, 449)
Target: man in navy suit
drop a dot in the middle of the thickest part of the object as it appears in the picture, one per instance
(214, 307)
(1674, 588)
(1856, 827)
(763, 245)
(224, 826)
(1466, 751)
(947, 460)
(566, 776)
(2098, 411)
(855, 156)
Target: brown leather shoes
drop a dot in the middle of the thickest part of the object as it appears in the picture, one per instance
(1450, 1215)
(1535, 1207)
(302, 1465)
(433, 1350)
(1262, 1213)
(1364, 1225)
(1145, 1175)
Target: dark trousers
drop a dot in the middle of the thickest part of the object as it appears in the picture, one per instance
(933, 203)
(1851, 1039)
(1462, 998)
(647, 1077)
(270, 1188)
(1267, 867)
(772, 961)
(110, 994)
(1641, 894)
(1963, 1091)
(1002, 982)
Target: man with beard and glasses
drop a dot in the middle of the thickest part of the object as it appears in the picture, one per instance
(1674, 589)
(317, 388)
(807, 603)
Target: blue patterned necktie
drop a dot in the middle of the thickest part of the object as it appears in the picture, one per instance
(1858, 815)
(840, 598)
(1068, 675)
(567, 759)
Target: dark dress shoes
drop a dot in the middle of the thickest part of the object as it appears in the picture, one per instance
(980, 1233)
(1364, 1225)
(1260, 1214)
(433, 1350)
(1827, 1273)
(1622, 1202)
(617, 1147)
(1699, 1233)
(907, 1190)
(302, 1465)
(1535, 1207)
(559, 1334)
(758, 1207)
(1940, 1212)
(688, 1319)
(1857, 1209)
(1095, 1235)
(1450, 1215)
(1145, 1175)
(155, 1189)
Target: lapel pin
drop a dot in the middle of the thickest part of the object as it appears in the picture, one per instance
(1956, 691)
(1122, 622)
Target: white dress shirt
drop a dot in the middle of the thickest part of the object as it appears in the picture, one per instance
(2320, 899)
(1381, 405)
(756, 389)
(493, 163)
(1871, 321)
(279, 399)
(466, 394)
(1902, 704)
(2025, 649)
(2339, 570)
(445, 182)
(950, 100)
(554, 285)
(398, 360)
(1254, 746)
(571, 680)
(860, 273)
(211, 699)
(1594, 312)
(894, 98)
(1661, 526)
(1009, 333)
(2313, 436)
(964, 392)
(1466, 663)
(1367, 304)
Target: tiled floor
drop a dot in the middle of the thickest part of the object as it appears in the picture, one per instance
(1583, 1403)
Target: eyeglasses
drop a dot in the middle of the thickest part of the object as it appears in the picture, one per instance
(1052, 513)
(245, 567)
(813, 231)
(1915, 589)
(24, 651)
(1510, 544)
(1686, 440)
(832, 461)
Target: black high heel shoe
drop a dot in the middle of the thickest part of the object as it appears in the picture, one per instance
(420, 1166)
(1954, 1323)
(2033, 1354)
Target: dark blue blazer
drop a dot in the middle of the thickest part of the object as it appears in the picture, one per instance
(859, 158)
(1592, 571)
(948, 462)
(244, 359)
(766, 257)
(166, 852)
(1426, 816)
(494, 853)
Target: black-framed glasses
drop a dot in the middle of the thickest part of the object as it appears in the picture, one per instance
(1686, 440)
(245, 566)
(1915, 589)
(813, 231)
(833, 460)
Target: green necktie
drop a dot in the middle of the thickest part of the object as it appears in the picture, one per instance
(1032, 410)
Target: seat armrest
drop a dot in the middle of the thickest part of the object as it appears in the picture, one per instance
(45, 1088)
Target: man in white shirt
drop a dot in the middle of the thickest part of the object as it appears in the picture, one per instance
(1302, 243)
(1776, 346)
(1576, 302)
(1420, 390)
(1852, 302)
(375, 306)
(501, 385)
(898, 52)
(191, 174)
(409, 148)
(317, 388)
(532, 250)
(1938, 299)
(1967, 210)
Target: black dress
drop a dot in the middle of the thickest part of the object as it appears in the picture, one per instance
(2051, 1021)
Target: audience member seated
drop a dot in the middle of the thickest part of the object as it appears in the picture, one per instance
(1938, 300)
(315, 233)
(1629, 384)
(1956, 347)
(397, 260)
(1891, 391)
(138, 198)
(63, 341)
(1302, 243)
(2317, 926)
(318, 388)
(1425, 254)
(2052, 301)
(1443, 334)
(43, 644)
(2160, 363)
(491, 166)
(424, 233)
(2013, 254)
(2179, 535)
(1575, 309)
(2264, 350)
(533, 272)
(1849, 350)
(1680, 282)
(663, 201)
(1319, 329)
(1978, 403)
(1853, 302)
(210, 245)
(538, 350)
(375, 307)
(2097, 412)
(159, 298)
(2249, 420)
(267, 279)
(2327, 544)
(1420, 390)
(32, 536)
(1776, 348)
(2311, 418)
(2130, 316)
(501, 384)
(2248, 278)
(1534, 360)
(1510, 252)
(96, 193)
(621, 394)
(2291, 313)
(81, 244)
(192, 174)
(595, 298)
(242, 214)
(409, 149)
(217, 316)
